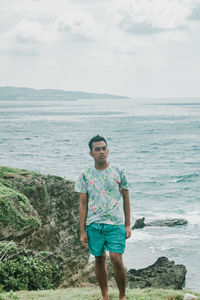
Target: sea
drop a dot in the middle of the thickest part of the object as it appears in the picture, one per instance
(157, 141)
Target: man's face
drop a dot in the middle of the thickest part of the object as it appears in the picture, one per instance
(99, 151)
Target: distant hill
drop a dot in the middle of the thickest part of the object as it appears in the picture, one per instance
(23, 93)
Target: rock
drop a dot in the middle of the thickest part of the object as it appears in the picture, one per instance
(167, 222)
(189, 297)
(41, 213)
(159, 223)
(139, 223)
(162, 274)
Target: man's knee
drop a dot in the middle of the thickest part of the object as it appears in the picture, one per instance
(100, 259)
(116, 259)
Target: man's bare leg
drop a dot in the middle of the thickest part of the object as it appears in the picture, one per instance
(102, 275)
(119, 273)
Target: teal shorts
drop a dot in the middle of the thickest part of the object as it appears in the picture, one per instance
(102, 237)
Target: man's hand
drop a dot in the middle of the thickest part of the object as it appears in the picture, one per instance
(84, 240)
(128, 231)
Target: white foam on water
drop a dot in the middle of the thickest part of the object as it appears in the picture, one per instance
(162, 235)
(140, 235)
(163, 215)
(194, 218)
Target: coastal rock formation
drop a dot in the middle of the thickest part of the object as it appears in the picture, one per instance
(162, 274)
(39, 219)
(159, 223)
(40, 212)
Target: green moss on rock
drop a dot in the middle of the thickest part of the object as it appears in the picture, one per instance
(6, 171)
(55, 178)
(10, 217)
(8, 191)
(10, 214)
(5, 183)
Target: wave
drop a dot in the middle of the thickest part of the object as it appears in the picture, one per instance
(149, 234)
(187, 177)
(194, 218)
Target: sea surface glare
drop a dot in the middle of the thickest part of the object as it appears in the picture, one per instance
(158, 143)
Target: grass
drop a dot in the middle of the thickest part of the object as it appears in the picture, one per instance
(7, 172)
(93, 293)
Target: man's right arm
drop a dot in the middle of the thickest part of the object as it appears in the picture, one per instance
(83, 215)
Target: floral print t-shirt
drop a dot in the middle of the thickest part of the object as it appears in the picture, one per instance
(103, 187)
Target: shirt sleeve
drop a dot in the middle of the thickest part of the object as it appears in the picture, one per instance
(80, 185)
(124, 181)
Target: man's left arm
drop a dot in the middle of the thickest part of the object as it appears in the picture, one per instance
(126, 205)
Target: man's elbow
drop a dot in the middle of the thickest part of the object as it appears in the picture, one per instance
(83, 199)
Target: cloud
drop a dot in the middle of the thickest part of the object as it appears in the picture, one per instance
(195, 13)
(138, 28)
(77, 25)
(26, 37)
(145, 17)
(93, 2)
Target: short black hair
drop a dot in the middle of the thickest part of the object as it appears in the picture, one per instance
(96, 138)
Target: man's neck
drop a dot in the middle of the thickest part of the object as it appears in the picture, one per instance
(102, 166)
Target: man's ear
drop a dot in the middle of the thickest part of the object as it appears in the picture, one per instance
(91, 153)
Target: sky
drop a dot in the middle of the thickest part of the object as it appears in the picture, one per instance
(135, 48)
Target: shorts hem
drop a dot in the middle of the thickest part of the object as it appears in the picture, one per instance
(120, 252)
(91, 252)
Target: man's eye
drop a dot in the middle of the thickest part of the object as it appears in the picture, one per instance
(104, 148)
(97, 149)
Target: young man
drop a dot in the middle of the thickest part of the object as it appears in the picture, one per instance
(104, 214)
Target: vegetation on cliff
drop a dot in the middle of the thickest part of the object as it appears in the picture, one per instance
(10, 214)
(39, 215)
(26, 270)
(17, 215)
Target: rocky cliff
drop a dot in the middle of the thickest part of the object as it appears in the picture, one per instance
(39, 238)
(40, 213)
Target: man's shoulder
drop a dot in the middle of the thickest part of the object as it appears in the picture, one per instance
(87, 170)
(116, 167)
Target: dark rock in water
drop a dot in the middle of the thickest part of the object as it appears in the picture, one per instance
(168, 222)
(159, 223)
(162, 274)
(139, 223)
